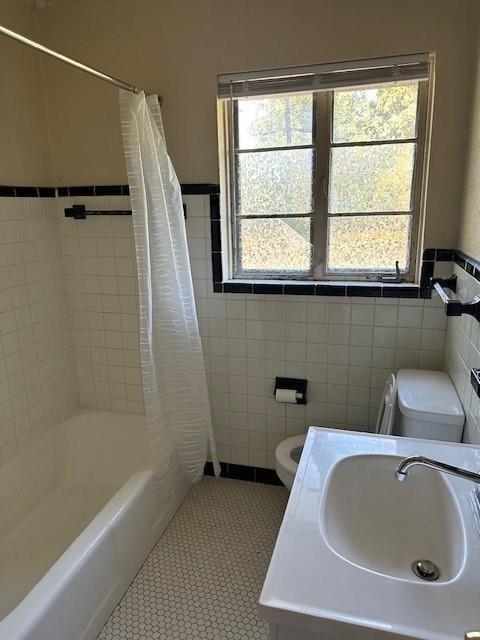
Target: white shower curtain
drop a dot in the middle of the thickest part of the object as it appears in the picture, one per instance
(174, 381)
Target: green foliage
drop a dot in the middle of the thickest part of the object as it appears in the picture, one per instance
(280, 244)
(369, 243)
(275, 182)
(371, 179)
(384, 113)
(279, 121)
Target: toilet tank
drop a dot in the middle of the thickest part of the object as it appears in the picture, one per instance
(428, 406)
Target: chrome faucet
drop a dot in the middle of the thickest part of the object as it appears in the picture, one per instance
(401, 472)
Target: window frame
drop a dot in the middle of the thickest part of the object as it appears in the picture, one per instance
(322, 146)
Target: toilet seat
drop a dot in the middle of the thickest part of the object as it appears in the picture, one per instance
(286, 467)
(284, 450)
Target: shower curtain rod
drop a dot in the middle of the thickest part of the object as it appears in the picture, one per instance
(74, 63)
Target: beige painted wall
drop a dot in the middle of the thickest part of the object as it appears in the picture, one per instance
(469, 232)
(177, 47)
(24, 145)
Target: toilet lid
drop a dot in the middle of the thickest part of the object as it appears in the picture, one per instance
(386, 411)
(429, 396)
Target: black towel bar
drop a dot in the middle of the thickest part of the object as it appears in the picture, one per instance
(80, 212)
(454, 307)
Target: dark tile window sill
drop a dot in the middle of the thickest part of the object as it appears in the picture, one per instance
(323, 288)
(308, 288)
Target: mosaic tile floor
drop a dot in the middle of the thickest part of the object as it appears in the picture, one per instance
(203, 578)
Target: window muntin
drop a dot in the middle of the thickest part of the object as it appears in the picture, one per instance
(293, 158)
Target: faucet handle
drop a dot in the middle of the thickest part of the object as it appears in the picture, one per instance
(472, 635)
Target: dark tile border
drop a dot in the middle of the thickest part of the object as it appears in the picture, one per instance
(400, 292)
(429, 254)
(444, 255)
(302, 289)
(268, 289)
(366, 290)
(299, 289)
(188, 189)
(331, 290)
(426, 275)
(237, 287)
(46, 192)
(195, 189)
(468, 264)
(244, 472)
(27, 192)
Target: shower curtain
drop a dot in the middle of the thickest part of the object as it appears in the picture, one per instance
(174, 382)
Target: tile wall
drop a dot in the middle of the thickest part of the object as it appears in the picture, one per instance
(345, 347)
(100, 269)
(37, 371)
(462, 353)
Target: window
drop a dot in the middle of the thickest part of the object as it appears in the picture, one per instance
(323, 169)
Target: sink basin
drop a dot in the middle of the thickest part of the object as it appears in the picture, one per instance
(342, 563)
(380, 524)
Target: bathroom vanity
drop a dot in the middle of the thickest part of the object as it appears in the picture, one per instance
(346, 554)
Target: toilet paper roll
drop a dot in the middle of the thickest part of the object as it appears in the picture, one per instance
(286, 395)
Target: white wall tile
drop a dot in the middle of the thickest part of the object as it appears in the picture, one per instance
(98, 258)
(38, 385)
(386, 315)
(344, 347)
(410, 316)
(461, 355)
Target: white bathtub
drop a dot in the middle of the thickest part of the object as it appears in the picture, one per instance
(79, 514)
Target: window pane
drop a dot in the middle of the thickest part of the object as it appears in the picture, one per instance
(275, 122)
(276, 244)
(275, 182)
(368, 243)
(384, 113)
(371, 178)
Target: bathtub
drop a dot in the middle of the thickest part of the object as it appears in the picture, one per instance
(79, 514)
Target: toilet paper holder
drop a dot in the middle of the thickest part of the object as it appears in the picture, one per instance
(297, 384)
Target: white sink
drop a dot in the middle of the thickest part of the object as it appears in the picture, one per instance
(373, 520)
(342, 564)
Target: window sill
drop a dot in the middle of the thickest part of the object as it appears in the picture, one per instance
(323, 288)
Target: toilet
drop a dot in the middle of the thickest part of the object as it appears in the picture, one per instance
(415, 404)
